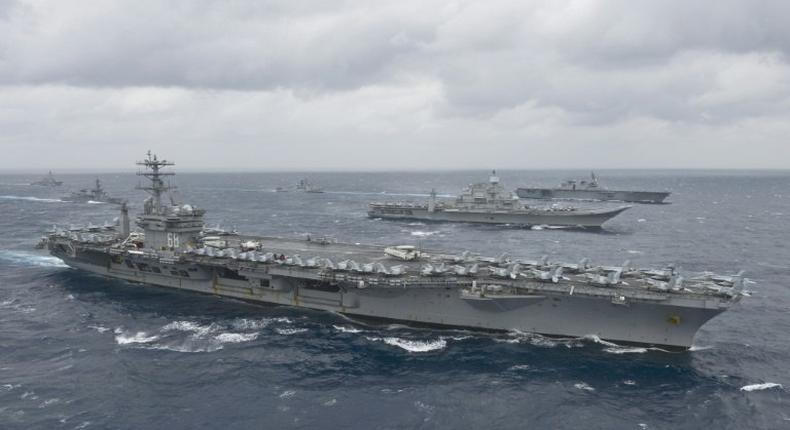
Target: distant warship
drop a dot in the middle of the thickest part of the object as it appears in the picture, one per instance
(490, 203)
(591, 190)
(48, 181)
(175, 250)
(96, 194)
(305, 186)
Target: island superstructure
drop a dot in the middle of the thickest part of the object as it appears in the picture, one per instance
(489, 203)
(591, 190)
(459, 289)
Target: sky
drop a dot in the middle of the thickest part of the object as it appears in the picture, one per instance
(409, 84)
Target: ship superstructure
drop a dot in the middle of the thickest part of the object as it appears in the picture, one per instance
(489, 203)
(396, 282)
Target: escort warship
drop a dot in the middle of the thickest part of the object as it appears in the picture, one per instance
(48, 181)
(400, 282)
(489, 202)
(96, 194)
(591, 190)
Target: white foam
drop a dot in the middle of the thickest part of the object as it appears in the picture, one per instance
(346, 329)
(641, 220)
(31, 259)
(416, 345)
(139, 337)
(289, 331)
(95, 202)
(189, 326)
(287, 394)
(100, 329)
(583, 386)
(250, 324)
(629, 382)
(419, 233)
(625, 350)
(187, 347)
(634, 251)
(699, 348)
(31, 199)
(520, 367)
(760, 387)
(236, 337)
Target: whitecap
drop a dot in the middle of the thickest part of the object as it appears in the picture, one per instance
(416, 345)
(236, 337)
(196, 329)
(583, 386)
(520, 367)
(760, 387)
(287, 394)
(419, 233)
(31, 259)
(634, 251)
(32, 199)
(289, 331)
(641, 220)
(629, 382)
(100, 329)
(251, 324)
(139, 337)
(187, 347)
(330, 402)
(92, 202)
(346, 329)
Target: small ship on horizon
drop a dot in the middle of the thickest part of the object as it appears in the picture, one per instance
(48, 181)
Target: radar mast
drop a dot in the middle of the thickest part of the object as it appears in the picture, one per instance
(153, 173)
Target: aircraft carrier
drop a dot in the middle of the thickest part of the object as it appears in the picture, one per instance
(489, 203)
(403, 283)
(591, 190)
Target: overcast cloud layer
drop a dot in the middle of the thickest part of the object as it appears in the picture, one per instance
(393, 85)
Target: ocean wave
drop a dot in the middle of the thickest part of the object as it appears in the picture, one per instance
(32, 199)
(188, 326)
(419, 233)
(290, 331)
(760, 387)
(139, 337)
(251, 324)
(583, 386)
(185, 347)
(29, 259)
(236, 337)
(413, 345)
(346, 329)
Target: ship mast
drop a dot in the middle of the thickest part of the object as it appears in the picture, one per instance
(153, 173)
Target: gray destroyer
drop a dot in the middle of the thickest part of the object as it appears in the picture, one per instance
(96, 194)
(48, 181)
(489, 203)
(591, 190)
(174, 250)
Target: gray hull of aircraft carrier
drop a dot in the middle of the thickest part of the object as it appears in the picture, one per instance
(426, 287)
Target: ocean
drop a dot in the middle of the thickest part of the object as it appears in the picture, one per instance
(81, 351)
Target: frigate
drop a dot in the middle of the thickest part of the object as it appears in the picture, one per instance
(591, 190)
(96, 194)
(305, 186)
(489, 202)
(48, 181)
(397, 282)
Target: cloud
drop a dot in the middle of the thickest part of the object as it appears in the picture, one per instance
(430, 84)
